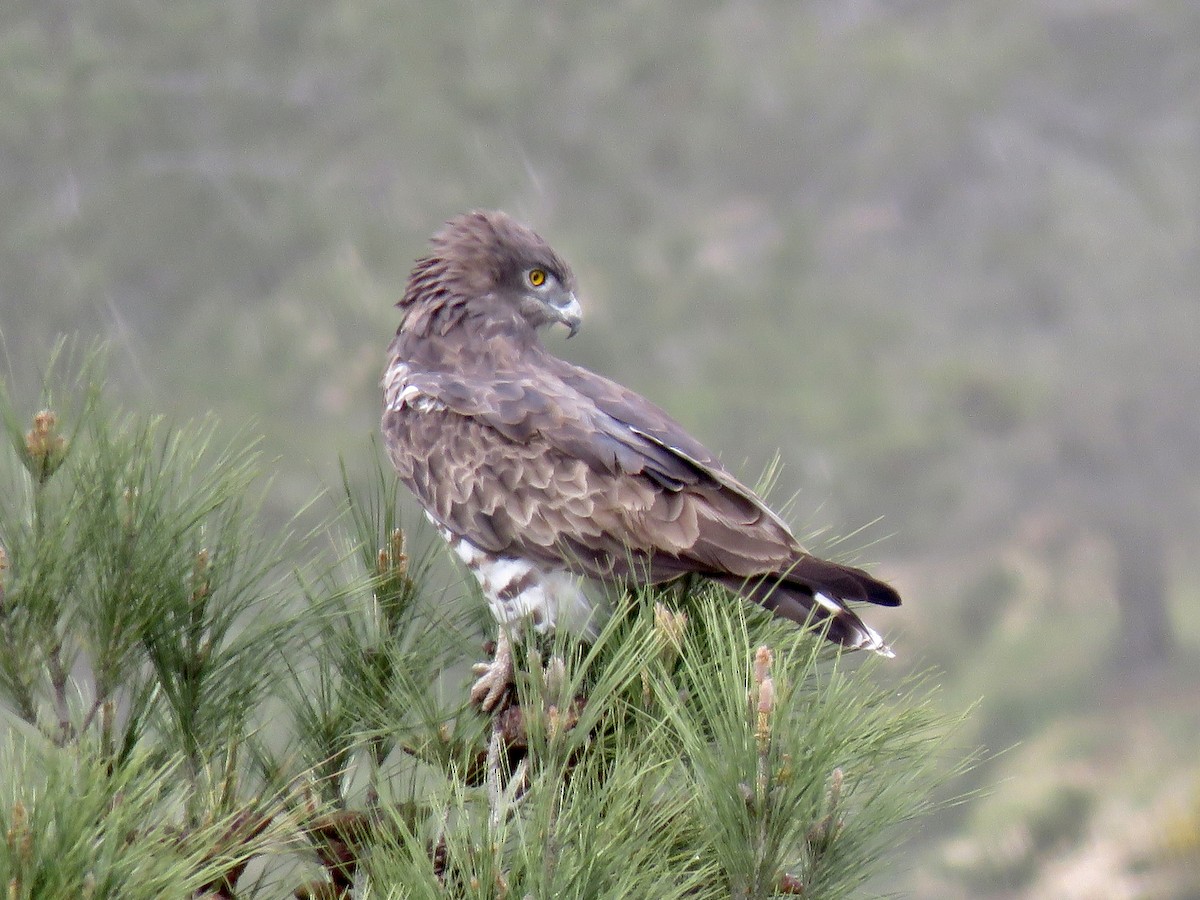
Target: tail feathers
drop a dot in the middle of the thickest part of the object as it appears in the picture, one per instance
(815, 592)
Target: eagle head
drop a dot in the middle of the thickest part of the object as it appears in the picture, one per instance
(487, 258)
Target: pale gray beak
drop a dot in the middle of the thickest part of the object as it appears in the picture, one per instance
(570, 314)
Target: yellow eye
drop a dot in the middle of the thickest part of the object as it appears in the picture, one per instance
(537, 277)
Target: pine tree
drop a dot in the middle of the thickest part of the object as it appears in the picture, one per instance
(201, 711)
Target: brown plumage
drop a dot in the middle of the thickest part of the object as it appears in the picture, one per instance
(537, 470)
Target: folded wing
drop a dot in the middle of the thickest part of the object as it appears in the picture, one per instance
(568, 469)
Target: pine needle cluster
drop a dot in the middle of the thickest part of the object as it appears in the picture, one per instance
(196, 710)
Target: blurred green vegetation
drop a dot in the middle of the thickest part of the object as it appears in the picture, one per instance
(940, 256)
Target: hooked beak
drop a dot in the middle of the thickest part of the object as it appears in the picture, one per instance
(570, 314)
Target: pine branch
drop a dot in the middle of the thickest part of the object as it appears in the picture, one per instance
(209, 714)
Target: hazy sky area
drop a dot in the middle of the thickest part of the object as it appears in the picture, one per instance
(942, 257)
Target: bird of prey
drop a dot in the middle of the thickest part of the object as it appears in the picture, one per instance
(540, 473)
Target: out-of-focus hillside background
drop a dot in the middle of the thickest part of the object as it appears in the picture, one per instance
(941, 255)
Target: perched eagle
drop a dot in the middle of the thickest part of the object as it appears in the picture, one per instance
(538, 472)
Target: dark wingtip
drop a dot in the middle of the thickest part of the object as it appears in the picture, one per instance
(881, 593)
(843, 582)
